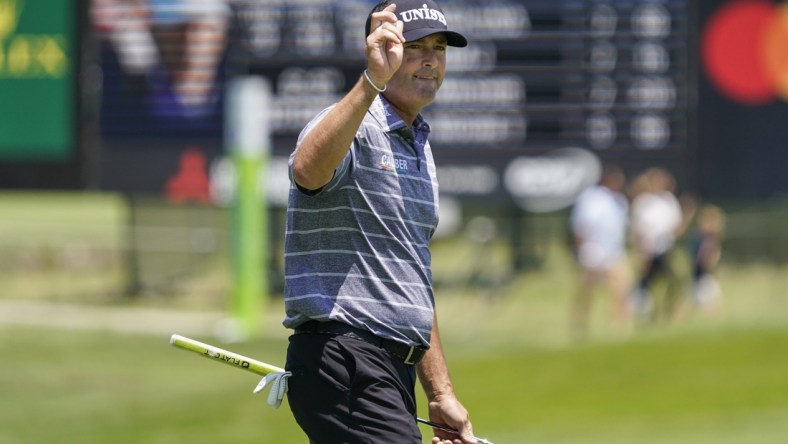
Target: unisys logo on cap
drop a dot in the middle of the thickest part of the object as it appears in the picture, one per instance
(423, 18)
(420, 19)
(423, 13)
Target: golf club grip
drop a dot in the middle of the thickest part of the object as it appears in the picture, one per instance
(224, 356)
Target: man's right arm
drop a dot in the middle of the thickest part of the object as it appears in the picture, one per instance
(323, 148)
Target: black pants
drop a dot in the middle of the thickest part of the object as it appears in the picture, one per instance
(347, 391)
(658, 265)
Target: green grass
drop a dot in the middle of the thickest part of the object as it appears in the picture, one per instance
(691, 387)
(702, 389)
(78, 387)
(715, 380)
(61, 218)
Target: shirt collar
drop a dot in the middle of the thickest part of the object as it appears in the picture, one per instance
(388, 118)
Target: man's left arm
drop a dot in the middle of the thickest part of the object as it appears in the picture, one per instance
(444, 407)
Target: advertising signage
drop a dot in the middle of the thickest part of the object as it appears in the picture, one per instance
(37, 63)
(543, 85)
(743, 98)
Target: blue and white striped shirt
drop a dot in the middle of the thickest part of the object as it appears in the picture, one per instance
(358, 251)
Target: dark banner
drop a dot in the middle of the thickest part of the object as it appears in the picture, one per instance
(743, 99)
(606, 77)
(543, 86)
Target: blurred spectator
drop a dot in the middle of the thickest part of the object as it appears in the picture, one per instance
(706, 250)
(598, 222)
(657, 221)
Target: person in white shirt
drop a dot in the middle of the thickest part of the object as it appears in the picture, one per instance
(657, 221)
(599, 221)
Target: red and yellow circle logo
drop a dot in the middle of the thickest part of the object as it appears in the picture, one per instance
(745, 51)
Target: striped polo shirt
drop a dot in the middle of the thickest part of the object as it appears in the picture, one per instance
(358, 251)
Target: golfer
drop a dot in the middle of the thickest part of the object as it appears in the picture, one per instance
(363, 206)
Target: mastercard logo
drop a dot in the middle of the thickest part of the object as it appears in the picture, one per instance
(744, 46)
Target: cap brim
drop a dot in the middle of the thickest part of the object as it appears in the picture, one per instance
(452, 38)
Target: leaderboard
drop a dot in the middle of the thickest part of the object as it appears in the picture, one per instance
(609, 78)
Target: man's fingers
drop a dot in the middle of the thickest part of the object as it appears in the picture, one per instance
(386, 22)
(386, 15)
(391, 32)
(399, 27)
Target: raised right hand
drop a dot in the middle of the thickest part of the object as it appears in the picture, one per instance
(384, 45)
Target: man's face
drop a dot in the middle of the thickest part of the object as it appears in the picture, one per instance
(421, 74)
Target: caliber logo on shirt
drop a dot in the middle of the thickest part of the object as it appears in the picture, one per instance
(391, 163)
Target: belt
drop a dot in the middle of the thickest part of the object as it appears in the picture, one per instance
(410, 354)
